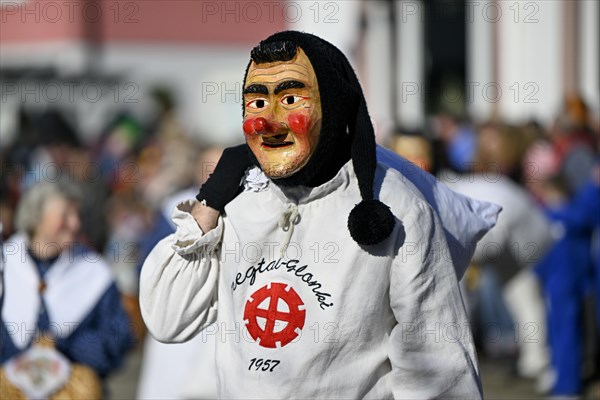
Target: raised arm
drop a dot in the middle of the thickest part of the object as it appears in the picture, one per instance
(179, 279)
(178, 283)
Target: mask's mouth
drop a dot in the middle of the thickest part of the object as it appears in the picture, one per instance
(275, 141)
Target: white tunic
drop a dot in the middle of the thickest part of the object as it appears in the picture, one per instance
(327, 319)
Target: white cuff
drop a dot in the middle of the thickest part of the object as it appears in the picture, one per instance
(188, 236)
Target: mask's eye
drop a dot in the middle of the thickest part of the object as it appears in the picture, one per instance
(258, 103)
(291, 99)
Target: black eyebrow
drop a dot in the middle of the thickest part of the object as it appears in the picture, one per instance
(262, 89)
(289, 85)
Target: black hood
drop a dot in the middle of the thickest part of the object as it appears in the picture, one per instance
(346, 133)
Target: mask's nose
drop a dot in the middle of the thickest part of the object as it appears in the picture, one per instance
(256, 126)
(262, 126)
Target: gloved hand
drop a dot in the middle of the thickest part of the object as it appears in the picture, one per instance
(223, 185)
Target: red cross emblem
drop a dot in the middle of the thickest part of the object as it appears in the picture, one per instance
(281, 319)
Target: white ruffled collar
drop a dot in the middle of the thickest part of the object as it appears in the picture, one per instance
(257, 181)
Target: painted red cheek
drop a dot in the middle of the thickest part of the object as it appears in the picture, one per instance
(298, 123)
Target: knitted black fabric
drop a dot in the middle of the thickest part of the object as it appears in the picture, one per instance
(370, 223)
(346, 132)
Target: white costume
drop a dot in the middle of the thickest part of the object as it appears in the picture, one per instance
(303, 311)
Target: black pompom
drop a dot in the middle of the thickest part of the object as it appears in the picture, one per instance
(370, 222)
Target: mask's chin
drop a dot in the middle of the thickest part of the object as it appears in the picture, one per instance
(280, 156)
(279, 171)
(285, 173)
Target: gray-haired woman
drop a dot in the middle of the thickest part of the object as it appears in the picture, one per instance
(48, 214)
(61, 305)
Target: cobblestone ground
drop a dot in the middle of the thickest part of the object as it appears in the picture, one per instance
(498, 380)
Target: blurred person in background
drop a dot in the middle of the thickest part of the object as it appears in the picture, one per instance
(116, 150)
(459, 141)
(167, 160)
(557, 169)
(539, 164)
(63, 326)
(118, 155)
(500, 149)
(184, 370)
(50, 150)
(144, 164)
(1, 266)
(574, 141)
(567, 276)
(415, 148)
(507, 254)
(6, 217)
(128, 218)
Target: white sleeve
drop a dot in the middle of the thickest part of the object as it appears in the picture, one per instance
(431, 352)
(178, 283)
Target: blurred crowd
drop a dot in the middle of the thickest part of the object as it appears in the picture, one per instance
(123, 187)
(532, 291)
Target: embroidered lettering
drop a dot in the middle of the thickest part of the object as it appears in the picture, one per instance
(291, 266)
